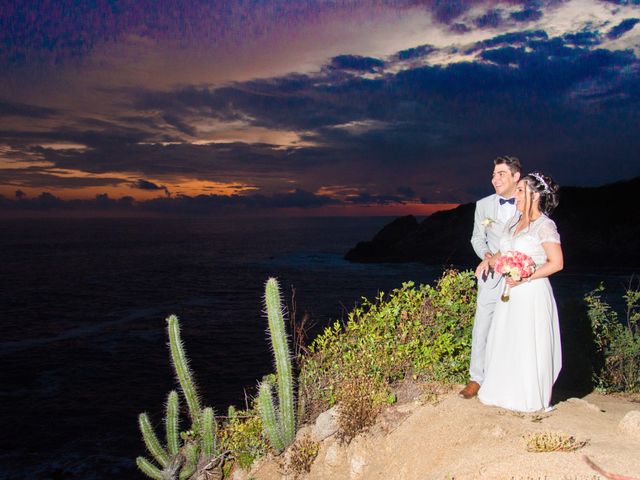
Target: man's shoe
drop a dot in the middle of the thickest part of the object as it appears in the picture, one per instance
(470, 391)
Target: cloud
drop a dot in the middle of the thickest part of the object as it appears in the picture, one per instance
(142, 184)
(368, 198)
(147, 185)
(582, 39)
(491, 19)
(38, 177)
(415, 52)
(200, 204)
(356, 62)
(504, 56)
(556, 94)
(526, 15)
(522, 88)
(407, 192)
(448, 11)
(14, 109)
(622, 28)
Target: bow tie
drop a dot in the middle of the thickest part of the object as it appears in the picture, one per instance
(511, 201)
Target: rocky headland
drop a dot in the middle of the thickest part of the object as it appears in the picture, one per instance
(599, 226)
(427, 436)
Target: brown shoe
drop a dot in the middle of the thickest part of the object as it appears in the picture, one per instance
(470, 391)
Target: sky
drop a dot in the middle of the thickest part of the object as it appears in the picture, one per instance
(315, 107)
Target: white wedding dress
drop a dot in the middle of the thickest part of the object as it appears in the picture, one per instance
(523, 354)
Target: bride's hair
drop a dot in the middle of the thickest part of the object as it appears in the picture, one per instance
(546, 187)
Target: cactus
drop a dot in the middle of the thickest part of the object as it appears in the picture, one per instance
(199, 446)
(279, 423)
(173, 440)
(268, 415)
(191, 454)
(149, 469)
(170, 460)
(183, 372)
(208, 433)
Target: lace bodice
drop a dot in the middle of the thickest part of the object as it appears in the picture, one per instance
(530, 240)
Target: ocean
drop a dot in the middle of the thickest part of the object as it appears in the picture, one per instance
(84, 302)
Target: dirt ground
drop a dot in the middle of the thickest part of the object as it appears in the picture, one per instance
(451, 438)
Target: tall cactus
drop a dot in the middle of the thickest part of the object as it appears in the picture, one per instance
(181, 366)
(199, 447)
(279, 422)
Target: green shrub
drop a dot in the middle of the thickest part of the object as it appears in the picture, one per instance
(425, 329)
(241, 435)
(617, 359)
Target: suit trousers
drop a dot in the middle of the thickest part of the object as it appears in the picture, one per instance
(489, 291)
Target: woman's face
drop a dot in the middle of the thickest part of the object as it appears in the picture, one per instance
(523, 196)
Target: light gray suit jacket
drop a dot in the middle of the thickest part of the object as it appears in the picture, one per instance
(487, 230)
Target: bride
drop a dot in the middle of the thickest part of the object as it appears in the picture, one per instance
(523, 354)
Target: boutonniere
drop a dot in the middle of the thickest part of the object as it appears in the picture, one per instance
(487, 222)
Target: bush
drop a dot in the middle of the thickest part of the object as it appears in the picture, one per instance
(425, 330)
(241, 435)
(617, 344)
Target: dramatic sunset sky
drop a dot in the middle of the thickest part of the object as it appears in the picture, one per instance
(334, 107)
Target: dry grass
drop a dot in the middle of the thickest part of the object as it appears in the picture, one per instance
(552, 442)
(357, 409)
(301, 456)
(431, 392)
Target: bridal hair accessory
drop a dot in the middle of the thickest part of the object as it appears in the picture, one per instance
(540, 178)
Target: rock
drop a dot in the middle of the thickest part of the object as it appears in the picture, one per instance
(358, 458)
(305, 431)
(497, 431)
(584, 403)
(334, 455)
(357, 466)
(630, 424)
(326, 425)
(408, 407)
(240, 474)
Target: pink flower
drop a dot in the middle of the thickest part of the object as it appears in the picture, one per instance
(515, 265)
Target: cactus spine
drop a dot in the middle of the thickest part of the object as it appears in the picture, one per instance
(183, 372)
(285, 414)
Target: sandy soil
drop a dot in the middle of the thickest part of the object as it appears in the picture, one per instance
(455, 438)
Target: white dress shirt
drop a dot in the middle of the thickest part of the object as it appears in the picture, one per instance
(506, 211)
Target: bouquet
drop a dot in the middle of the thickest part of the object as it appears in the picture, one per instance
(515, 265)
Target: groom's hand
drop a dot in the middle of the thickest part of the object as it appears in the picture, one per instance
(483, 269)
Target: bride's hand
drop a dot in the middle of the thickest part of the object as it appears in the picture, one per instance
(512, 283)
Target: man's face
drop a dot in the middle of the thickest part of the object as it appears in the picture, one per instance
(504, 181)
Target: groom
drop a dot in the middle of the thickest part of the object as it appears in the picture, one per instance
(492, 215)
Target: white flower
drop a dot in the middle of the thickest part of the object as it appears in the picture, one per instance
(487, 222)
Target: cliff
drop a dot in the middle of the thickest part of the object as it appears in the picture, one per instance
(599, 226)
(442, 436)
